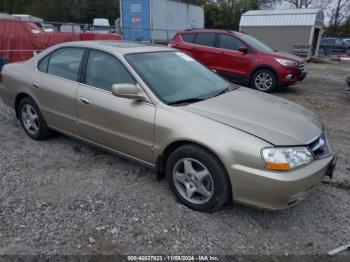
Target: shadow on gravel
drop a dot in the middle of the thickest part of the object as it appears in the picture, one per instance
(286, 90)
(340, 185)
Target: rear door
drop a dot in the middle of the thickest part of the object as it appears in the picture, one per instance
(56, 85)
(186, 43)
(205, 50)
(117, 123)
(230, 60)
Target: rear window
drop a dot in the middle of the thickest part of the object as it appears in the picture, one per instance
(189, 38)
(44, 64)
(64, 62)
(206, 39)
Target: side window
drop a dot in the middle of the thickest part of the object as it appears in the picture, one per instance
(104, 70)
(189, 38)
(206, 39)
(65, 63)
(229, 42)
(43, 64)
(338, 42)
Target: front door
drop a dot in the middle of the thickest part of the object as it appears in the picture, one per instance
(119, 124)
(230, 60)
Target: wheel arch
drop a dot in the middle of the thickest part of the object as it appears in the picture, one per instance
(163, 157)
(18, 99)
(262, 67)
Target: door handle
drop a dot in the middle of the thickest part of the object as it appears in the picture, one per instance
(35, 85)
(85, 101)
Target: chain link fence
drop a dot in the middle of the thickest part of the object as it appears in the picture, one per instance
(154, 35)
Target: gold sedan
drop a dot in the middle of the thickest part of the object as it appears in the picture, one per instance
(158, 106)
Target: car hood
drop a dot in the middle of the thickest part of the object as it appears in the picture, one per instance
(283, 55)
(270, 118)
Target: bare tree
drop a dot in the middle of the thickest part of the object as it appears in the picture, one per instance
(308, 3)
(340, 13)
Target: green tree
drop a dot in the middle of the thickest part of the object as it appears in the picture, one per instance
(82, 11)
(226, 14)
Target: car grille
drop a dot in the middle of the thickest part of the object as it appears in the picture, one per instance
(320, 147)
(302, 66)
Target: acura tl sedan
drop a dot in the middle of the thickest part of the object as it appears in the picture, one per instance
(212, 140)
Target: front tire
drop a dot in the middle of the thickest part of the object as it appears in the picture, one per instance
(264, 80)
(32, 120)
(197, 178)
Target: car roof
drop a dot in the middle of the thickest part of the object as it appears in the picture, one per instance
(120, 47)
(209, 31)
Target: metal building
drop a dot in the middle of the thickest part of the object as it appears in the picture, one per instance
(5, 16)
(295, 31)
(158, 20)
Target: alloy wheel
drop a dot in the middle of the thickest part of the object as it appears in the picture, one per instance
(30, 119)
(263, 81)
(193, 181)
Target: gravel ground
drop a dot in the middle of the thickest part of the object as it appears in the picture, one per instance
(62, 196)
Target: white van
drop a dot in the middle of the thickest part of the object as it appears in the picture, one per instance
(101, 25)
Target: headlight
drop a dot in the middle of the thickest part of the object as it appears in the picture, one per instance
(287, 63)
(286, 158)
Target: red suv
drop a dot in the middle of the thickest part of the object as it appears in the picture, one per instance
(241, 58)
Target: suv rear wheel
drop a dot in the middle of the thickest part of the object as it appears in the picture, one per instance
(264, 80)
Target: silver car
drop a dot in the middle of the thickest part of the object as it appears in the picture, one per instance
(212, 140)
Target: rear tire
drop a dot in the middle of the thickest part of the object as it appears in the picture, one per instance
(198, 179)
(32, 120)
(264, 80)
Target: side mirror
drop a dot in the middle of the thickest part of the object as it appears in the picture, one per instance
(128, 91)
(243, 50)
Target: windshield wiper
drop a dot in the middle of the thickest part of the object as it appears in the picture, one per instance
(199, 99)
(187, 101)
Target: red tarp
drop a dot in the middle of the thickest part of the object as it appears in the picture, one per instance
(99, 36)
(22, 36)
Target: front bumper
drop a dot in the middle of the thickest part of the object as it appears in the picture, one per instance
(289, 76)
(303, 75)
(348, 81)
(273, 190)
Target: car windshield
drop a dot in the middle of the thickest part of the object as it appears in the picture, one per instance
(255, 43)
(175, 77)
(101, 28)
